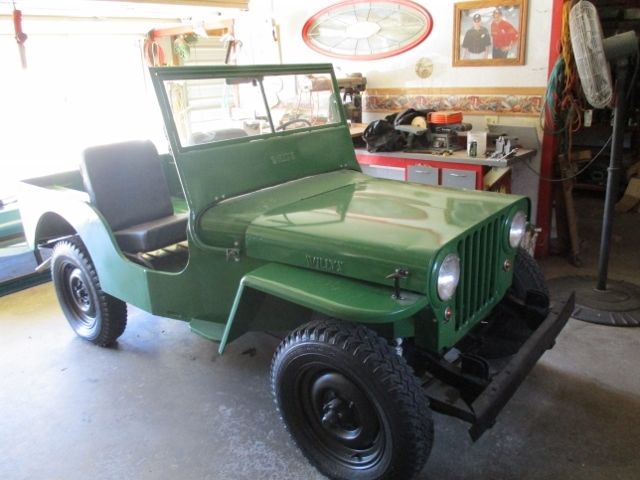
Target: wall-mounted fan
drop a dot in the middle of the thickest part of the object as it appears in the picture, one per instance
(610, 302)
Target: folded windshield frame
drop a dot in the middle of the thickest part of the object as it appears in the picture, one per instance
(203, 106)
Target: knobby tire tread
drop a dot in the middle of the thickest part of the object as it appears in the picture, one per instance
(527, 270)
(393, 372)
(112, 310)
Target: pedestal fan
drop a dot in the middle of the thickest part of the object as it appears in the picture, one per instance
(600, 300)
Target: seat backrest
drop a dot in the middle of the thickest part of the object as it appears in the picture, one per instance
(126, 182)
(199, 138)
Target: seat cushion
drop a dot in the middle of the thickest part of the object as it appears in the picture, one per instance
(153, 235)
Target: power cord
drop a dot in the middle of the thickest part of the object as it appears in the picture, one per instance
(564, 179)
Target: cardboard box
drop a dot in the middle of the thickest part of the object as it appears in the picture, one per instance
(631, 196)
(581, 156)
(481, 142)
(493, 177)
(633, 171)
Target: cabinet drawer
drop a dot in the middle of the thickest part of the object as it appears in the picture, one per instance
(422, 174)
(380, 171)
(458, 178)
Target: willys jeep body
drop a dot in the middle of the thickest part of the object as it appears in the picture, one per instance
(398, 298)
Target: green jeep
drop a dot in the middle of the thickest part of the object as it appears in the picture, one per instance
(397, 298)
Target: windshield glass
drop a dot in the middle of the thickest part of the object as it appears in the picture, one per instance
(217, 109)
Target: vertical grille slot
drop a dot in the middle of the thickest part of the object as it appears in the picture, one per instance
(478, 253)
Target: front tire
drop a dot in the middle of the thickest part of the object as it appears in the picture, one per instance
(93, 314)
(527, 275)
(352, 405)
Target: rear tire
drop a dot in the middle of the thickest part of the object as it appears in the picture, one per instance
(94, 315)
(352, 405)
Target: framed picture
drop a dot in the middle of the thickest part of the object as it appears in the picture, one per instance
(489, 32)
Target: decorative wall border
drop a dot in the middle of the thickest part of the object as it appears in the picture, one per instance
(521, 101)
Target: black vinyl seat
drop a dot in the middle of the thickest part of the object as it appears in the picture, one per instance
(126, 182)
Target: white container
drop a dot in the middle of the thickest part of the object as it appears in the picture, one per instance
(481, 141)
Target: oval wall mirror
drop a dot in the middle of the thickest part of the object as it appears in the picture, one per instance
(367, 29)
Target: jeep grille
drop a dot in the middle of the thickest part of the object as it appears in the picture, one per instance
(478, 252)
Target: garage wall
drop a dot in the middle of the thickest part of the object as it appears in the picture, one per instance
(398, 71)
(486, 94)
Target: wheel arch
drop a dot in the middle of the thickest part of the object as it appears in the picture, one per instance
(118, 276)
(52, 225)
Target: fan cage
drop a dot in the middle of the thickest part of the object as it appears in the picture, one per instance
(588, 52)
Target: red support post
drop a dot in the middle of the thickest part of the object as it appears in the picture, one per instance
(545, 195)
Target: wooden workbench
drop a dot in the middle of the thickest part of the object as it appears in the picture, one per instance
(357, 129)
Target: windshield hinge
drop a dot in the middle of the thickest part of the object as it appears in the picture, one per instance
(233, 254)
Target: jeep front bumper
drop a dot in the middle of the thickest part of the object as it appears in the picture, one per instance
(486, 402)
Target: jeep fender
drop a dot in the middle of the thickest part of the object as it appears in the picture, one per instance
(118, 276)
(331, 295)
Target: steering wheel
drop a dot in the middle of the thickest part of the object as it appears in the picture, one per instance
(291, 122)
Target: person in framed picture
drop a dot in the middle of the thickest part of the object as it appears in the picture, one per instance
(477, 40)
(504, 35)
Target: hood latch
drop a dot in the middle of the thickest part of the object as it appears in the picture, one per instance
(397, 275)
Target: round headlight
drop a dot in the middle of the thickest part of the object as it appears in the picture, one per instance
(517, 228)
(448, 276)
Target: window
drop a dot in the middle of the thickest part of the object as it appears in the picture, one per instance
(216, 109)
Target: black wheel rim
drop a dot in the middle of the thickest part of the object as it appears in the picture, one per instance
(79, 297)
(339, 418)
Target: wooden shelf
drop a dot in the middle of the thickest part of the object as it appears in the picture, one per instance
(589, 187)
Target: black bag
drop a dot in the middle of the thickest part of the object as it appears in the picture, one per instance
(381, 136)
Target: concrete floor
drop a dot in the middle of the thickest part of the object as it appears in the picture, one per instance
(163, 405)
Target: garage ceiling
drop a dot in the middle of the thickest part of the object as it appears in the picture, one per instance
(130, 9)
(202, 3)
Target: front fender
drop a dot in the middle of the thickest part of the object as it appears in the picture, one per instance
(334, 296)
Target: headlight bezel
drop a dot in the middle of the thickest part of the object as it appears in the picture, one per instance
(446, 291)
(520, 221)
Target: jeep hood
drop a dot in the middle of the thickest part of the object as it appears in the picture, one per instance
(351, 224)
